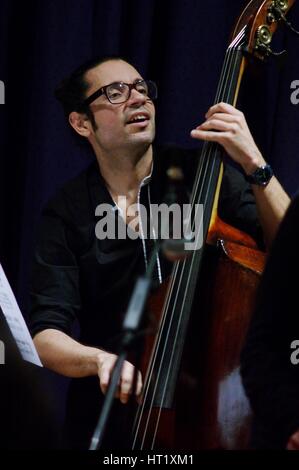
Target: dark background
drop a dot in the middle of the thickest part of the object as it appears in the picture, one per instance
(178, 43)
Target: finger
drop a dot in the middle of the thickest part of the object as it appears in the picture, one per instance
(222, 108)
(226, 117)
(218, 125)
(139, 384)
(210, 136)
(126, 382)
(105, 372)
(104, 379)
(125, 389)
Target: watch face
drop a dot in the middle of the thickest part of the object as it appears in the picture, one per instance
(261, 176)
(266, 174)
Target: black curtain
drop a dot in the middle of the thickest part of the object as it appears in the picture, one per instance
(179, 43)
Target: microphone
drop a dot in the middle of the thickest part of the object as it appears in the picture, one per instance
(173, 227)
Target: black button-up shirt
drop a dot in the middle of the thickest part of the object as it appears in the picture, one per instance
(77, 276)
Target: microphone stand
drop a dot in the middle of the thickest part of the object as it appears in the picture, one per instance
(134, 314)
(131, 326)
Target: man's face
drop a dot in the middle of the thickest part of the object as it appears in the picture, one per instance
(114, 131)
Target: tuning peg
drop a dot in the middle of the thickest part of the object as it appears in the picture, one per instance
(276, 13)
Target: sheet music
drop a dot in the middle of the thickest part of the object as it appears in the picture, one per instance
(16, 321)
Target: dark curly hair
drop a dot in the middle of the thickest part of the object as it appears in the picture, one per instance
(71, 92)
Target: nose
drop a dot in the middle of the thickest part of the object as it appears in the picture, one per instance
(136, 98)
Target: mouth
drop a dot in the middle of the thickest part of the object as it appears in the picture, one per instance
(140, 119)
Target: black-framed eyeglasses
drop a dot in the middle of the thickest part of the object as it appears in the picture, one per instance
(120, 92)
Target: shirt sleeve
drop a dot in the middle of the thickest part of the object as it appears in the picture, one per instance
(237, 205)
(54, 294)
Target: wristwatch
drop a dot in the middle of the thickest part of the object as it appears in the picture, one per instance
(261, 175)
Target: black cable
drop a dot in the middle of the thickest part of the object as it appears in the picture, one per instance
(281, 15)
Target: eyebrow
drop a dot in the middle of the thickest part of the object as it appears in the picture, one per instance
(118, 81)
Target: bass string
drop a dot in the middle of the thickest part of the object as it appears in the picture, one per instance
(229, 61)
(180, 316)
(223, 93)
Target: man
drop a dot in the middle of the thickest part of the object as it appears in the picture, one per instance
(75, 276)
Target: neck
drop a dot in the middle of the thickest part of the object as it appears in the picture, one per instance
(123, 172)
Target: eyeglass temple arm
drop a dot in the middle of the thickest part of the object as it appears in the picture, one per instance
(93, 97)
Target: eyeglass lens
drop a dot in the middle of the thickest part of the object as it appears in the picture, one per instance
(118, 92)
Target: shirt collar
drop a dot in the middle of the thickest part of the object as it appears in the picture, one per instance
(99, 193)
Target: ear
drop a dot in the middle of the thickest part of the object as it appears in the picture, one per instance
(80, 123)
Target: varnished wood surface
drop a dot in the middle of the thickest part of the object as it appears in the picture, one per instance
(211, 411)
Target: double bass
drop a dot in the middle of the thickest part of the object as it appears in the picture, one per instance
(193, 396)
